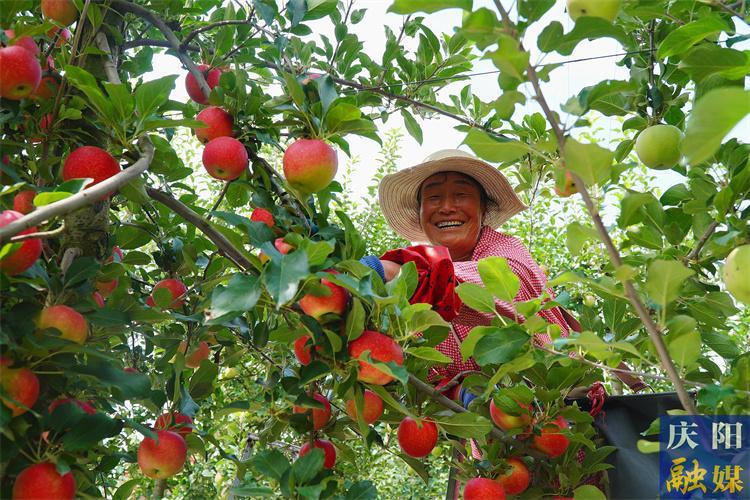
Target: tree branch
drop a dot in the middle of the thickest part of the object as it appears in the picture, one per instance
(189, 38)
(702, 241)
(42, 235)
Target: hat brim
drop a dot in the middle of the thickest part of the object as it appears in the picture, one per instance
(398, 194)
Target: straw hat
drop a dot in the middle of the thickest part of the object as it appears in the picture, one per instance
(398, 191)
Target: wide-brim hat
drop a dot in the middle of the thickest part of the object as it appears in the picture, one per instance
(398, 191)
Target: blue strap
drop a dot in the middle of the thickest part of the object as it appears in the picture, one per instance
(466, 397)
(374, 263)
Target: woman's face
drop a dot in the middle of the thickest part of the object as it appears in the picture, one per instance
(450, 212)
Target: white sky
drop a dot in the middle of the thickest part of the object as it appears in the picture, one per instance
(438, 132)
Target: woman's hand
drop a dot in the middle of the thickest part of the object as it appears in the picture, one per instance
(391, 269)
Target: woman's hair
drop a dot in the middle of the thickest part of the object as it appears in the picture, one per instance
(483, 198)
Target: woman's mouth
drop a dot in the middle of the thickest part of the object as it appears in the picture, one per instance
(449, 224)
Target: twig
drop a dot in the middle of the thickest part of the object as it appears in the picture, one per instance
(67, 259)
(702, 241)
(109, 67)
(209, 27)
(338, 42)
(42, 235)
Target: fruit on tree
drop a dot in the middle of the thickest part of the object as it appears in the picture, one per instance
(20, 72)
(116, 256)
(175, 422)
(23, 202)
(62, 39)
(507, 421)
(26, 254)
(43, 481)
(98, 299)
(24, 41)
(175, 287)
(317, 306)
(282, 246)
(417, 438)
(302, 350)
(372, 407)
(86, 407)
(90, 162)
(517, 479)
(62, 11)
(735, 279)
(195, 356)
(320, 416)
(264, 216)
(164, 457)
(565, 186)
(382, 348)
(310, 165)
(211, 75)
(105, 288)
(589, 300)
(551, 441)
(47, 88)
(605, 9)
(218, 124)
(225, 158)
(452, 393)
(70, 323)
(482, 488)
(329, 451)
(20, 384)
(658, 146)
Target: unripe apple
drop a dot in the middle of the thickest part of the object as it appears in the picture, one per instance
(320, 416)
(69, 322)
(21, 385)
(589, 300)
(335, 303)
(417, 439)
(163, 458)
(264, 216)
(372, 407)
(90, 162)
(25, 255)
(218, 124)
(605, 9)
(382, 348)
(176, 287)
(517, 479)
(62, 11)
(565, 186)
(328, 450)
(211, 75)
(86, 407)
(735, 279)
(175, 422)
(225, 158)
(24, 41)
(551, 442)
(42, 480)
(506, 421)
(20, 72)
(303, 351)
(481, 488)
(47, 88)
(658, 146)
(197, 355)
(310, 165)
(23, 202)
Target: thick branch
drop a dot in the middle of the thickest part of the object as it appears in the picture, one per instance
(86, 197)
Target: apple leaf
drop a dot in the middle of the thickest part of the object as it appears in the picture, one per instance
(591, 162)
(429, 354)
(355, 320)
(307, 466)
(501, 346)
(129, 385)
(362, 490)
(282, 276)
(465, 425)
(90, 430)
(429, 6)
(499, 278)
(705, 60)
(495, 149)
(579, 235)
(240, 295)
(470, 342)
(665, 278)
(202, 381)
(478, 298)
(271, 463)
(687, 35)
(685, 349)
(553, 38)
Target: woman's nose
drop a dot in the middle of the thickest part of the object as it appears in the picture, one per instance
(447, 205)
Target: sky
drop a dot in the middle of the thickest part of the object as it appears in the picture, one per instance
(438, 131)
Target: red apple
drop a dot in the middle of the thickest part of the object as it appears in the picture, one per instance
(264, 216)
(176, 287)
(302, 351)
(451, 393)
(98, 299)
(317, 306)
(47, 88)
(417, 441)
(517, 479)
(372, 407)
(90, 162)
(130, 369)
(63, 38)
(23, 202)
(282, 246)
(382, 348)
(481, 488)
(225, 158)
(551, 442)
(20, 72)
(328, 450)
(320, 416)
(86, 407)
(24, 41)
(163, 458)
(175, 422)
(62, 11)
(211, 75)
(20, 384)
(25, 255)
(69, 322)
(194, 357)
(105, 288)
(310, 165)
(116, 256)
(218, 124)
(43, 481)
(506, 421)
(565, 186)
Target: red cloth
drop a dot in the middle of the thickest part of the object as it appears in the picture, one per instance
(437, 287)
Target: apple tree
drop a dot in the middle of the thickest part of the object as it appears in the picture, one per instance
(156, 316)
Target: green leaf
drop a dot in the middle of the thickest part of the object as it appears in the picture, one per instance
(495, 149)
(87, 83)
(687, 35)
(709, 59)
(129, 385)
(429, 6)
(251, 491)
(125, 490)
(411, 125)
(428, 353)
(120, 95)
(465, 425)
(355, 320)
(271, 463)
(665, 278)
(586, 28)
(282, 276)
(499, 278)
(501, 346)
(341, 112)
(578, 235)
(294, 89)
(317, 9)
(50, 197)
(712, 118)
(685, 349)
(307, 466)
(150, 95)
(470, 342)
(89, 431)
(591, 97)
(362, 490)
(591, 162)
(240, 295)
(202, 381)
(482, 27)
(476, 297)
(509, 58)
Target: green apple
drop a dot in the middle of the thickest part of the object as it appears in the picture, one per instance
(735, 279)
(606, 9)
(658, 146)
